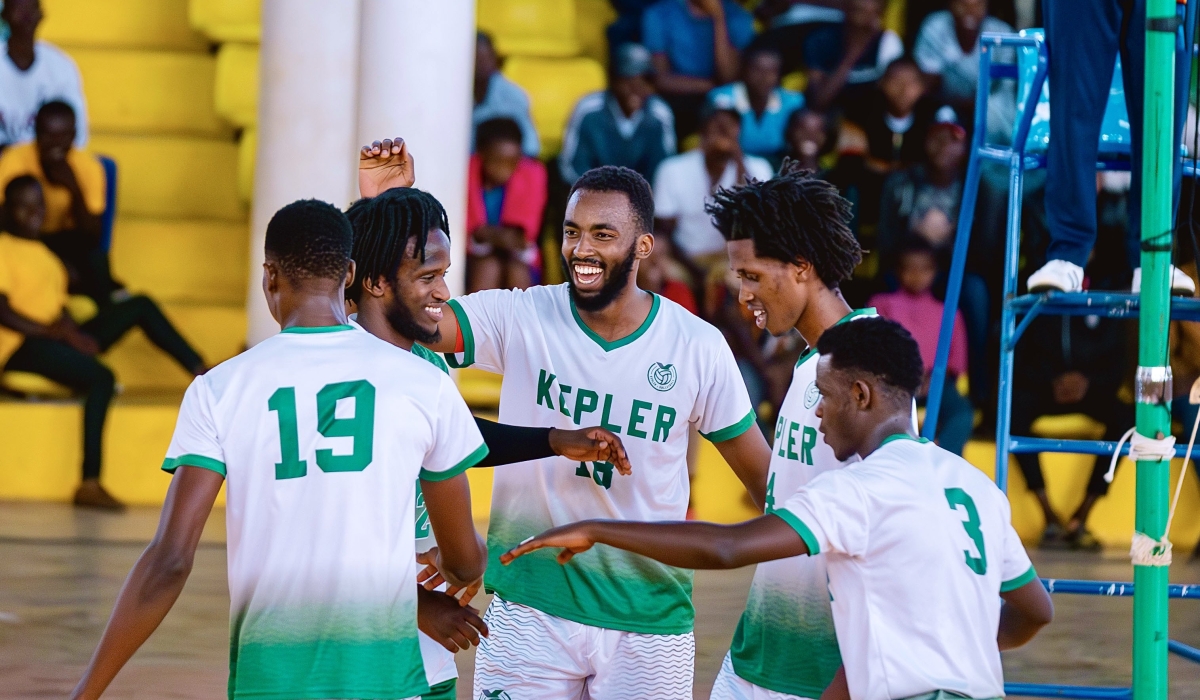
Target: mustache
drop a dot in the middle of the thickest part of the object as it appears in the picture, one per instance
(596, 262)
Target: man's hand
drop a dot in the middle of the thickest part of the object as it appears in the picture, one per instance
(431, 577)
(70, 334)
(573, 539)
(1069, 387)
(384, 165)
(591, 445)
(452, 625)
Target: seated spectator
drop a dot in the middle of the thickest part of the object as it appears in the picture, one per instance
(37, 335)
(914, 307)
(894, 118)
(948, 48)
(33, 73)
(497, 96)
(695, 44)
(789, 22)
(506, 193)
(765, 107)
(811, 136)
(627, 124)
(684, 184)
(846, 60)
(655, 274)
(1069, 365)
(74, 185)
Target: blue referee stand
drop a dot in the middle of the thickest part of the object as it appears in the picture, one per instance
(1030, 137)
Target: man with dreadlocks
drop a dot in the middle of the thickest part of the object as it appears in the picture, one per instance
(611, 625)
(402, 252)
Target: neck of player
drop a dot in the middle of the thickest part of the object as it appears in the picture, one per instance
(825, 308)
(898, 421)
(373, 318)
(626, 313)
(311, 304)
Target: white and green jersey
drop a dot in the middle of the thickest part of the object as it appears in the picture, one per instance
(321, 434)
(675, 369)
(788, 605)
(919, 545)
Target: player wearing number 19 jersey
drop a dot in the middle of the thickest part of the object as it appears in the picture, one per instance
(320, 433)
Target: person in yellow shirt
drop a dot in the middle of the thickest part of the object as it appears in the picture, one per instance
(73, 184)
(37, 335)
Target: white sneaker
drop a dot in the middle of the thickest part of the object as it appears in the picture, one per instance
(1181, 284)
(1057, 275)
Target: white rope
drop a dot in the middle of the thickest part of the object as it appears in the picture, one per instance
(1141, 448)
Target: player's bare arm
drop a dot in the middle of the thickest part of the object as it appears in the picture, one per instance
(456, 627)
(461, 554)
(383, 165)
(1026, 611)
(156, 579)
(688, 545)
(749, 456)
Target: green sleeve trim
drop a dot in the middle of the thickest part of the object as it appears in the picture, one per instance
(732, 431)
(467, 462)
(464, 325)
(169, 465)
(810, 540)
(1019, 581)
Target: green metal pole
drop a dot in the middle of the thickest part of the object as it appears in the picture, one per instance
(1153, 380)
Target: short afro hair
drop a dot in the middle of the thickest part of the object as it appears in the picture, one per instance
(310, 239)
(53, 108)
(497, 130)
(877, 346)
(793, 216)
(617, 178)
(383, 227)
(19, 183)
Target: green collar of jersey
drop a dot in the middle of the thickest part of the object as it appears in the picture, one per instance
(903, 436)
(318, 329)
(609, 346)
(869, 311)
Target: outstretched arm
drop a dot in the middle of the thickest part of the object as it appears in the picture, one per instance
(461, 554)
(156, 579)
(1026, 611)
(749, 457)
(690, 545)
(383, 165)
(508, 444)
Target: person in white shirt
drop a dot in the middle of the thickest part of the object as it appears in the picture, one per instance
(33, 73)
(684, 185)
(919, 544)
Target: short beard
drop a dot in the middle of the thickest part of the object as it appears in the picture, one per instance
(401, 319)
(611, 289)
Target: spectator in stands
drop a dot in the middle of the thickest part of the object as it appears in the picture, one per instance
(914, 307)
(656, 274)
(811, 135)
(948, 48)
(765, 106)
(846, 60)
(506, 194)
(33, 73)
(684, 184)
(74, 185)
(788, 23)
(695, 44)
(1069, 365)
(497, 96)
(895, 117)
(37, 335)
(627, 124)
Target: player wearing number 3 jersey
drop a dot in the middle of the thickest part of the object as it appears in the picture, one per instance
(321, 433)
(919, 544)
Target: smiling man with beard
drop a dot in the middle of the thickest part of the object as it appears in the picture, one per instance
(612, 624)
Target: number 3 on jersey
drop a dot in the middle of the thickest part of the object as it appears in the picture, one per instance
(957, 497)
(360, 427)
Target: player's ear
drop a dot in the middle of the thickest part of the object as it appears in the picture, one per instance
(802, 269)
(645, 246)
(349, 276)
(861, 394)
(270, 277)
(375, 286)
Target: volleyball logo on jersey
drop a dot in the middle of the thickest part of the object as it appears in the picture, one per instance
(662, 377)
(811, 395)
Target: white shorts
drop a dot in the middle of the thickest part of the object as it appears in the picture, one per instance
(731, 686)
(530, 655)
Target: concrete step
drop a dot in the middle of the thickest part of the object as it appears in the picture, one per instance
(120, 24)
(217, 332)
(136, 91)
(183, 260)
(174, 177)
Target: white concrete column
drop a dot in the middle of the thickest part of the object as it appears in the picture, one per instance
(307, 116)
(417, 60)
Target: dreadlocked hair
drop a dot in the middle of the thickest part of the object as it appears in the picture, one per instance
(383, 226)
(791, 217)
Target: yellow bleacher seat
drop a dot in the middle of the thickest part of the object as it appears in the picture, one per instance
(592, 18)
(120, 24)
(183, 260)
(479, 389)
(247, 152)
(169, 177)
(530, 27)
(1070, 426)
(236, 97)
(150, 92)
(30, 384)
(227, 20)
(554, 86)
(217, 332)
